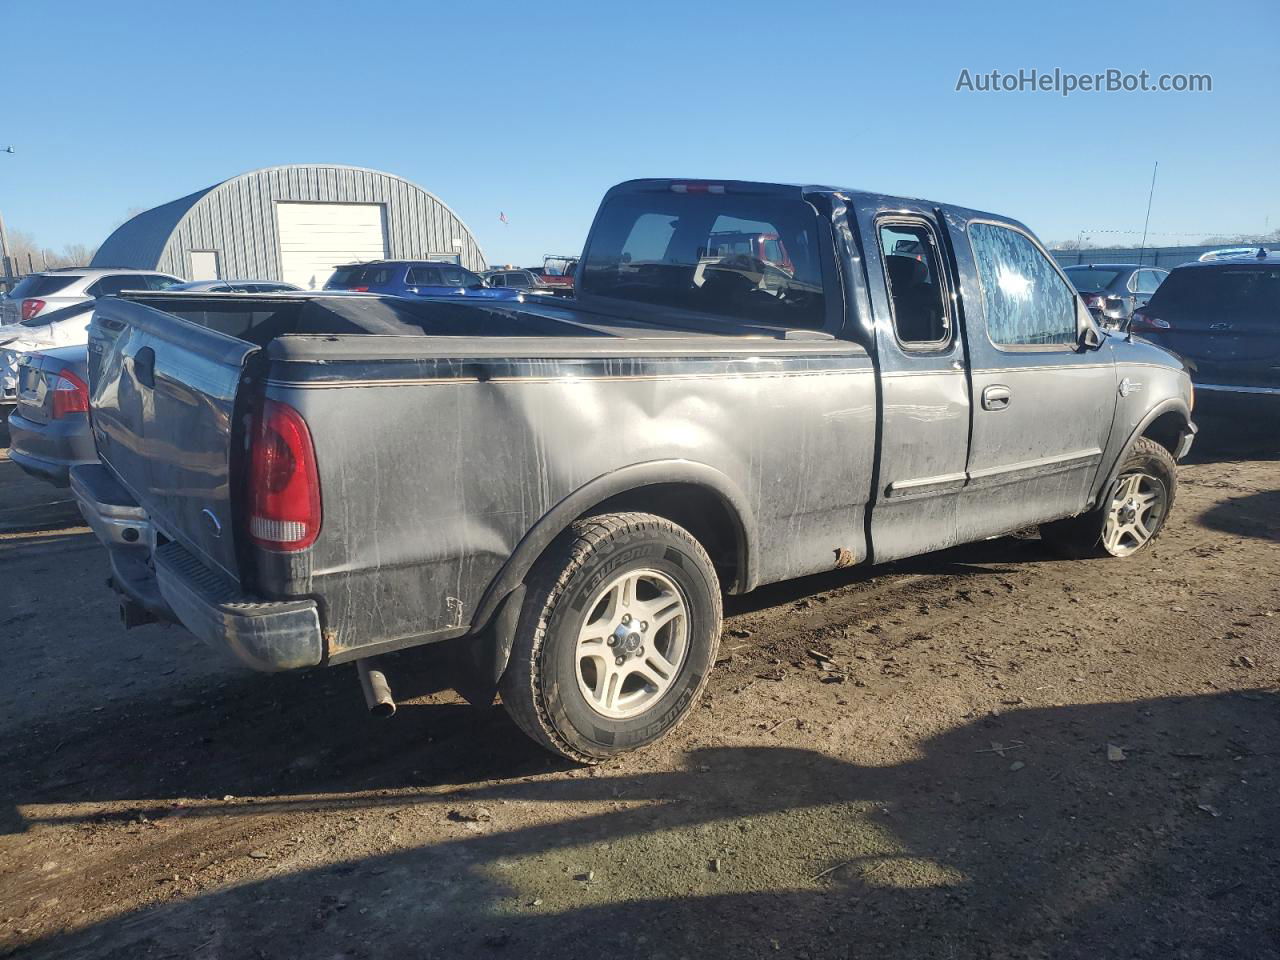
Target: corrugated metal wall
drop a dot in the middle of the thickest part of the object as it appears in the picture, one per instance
(237, 218)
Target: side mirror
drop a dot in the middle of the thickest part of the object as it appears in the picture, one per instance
(1088, 335)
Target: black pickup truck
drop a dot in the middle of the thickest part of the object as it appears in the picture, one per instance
(562, 490)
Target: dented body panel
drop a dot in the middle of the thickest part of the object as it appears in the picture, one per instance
(454, 442)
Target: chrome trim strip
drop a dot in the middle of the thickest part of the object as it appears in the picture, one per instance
(1032, 469)
(1230, 388)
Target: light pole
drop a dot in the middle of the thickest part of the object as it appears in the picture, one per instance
(5, 262)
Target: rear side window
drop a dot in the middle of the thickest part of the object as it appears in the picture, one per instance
(155, 281)
(43, 285)
(710, 253)
(1027, 302)
(916, 293)
(1148, 280)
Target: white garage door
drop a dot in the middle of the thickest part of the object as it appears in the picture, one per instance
(316, 237)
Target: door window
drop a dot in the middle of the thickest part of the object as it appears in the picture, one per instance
(916, 293)
(424, 277)
(1027, 301)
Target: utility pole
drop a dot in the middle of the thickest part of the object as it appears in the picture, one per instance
(5, 262)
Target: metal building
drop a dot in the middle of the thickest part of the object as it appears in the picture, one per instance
(292, 223)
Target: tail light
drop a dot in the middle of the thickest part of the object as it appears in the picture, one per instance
(1144, 321)
(1093, 301)
(284, 486)
(70, 395)
(30, 307)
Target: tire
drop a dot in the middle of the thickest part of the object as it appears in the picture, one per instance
(1093, 534)
(589, 699)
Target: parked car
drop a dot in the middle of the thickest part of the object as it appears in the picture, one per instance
(235, 286)
(561, 490)
(53, 289)
(68, 326)
(1112, 291)
(420, 278)
(525, 281)
(49, 429)
(557, 273)
(1223, 317)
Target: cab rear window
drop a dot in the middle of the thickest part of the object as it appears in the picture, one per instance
(744, 257)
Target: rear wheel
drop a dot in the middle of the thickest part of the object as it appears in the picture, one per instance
(1132, 514)
(616, 639)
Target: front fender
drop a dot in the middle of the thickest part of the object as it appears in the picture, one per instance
(1171, 405)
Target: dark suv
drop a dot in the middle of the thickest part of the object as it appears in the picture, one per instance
(1223, 318)
(414, 278)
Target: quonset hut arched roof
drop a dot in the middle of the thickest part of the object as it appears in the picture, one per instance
(236, 218)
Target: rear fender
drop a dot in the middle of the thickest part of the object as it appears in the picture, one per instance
(625, 480)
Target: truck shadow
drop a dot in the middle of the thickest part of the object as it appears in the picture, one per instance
(1253, 515)
(754, 851)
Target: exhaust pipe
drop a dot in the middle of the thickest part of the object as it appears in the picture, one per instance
(377, 692)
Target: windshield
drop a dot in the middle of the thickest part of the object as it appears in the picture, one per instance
(703, 253)
(1090, 279)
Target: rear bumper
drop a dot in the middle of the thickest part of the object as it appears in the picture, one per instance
(174, 585)
(50, 450)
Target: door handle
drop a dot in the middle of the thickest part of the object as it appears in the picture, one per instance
(144, 367)
(996, 397)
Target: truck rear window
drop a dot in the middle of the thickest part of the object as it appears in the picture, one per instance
(1091, 279)
(743, 257)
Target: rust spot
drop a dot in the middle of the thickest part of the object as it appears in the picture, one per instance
(844, 557)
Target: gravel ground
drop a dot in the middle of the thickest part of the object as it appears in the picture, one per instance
(982, 753)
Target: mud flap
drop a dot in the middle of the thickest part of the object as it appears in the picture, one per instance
(481, 660)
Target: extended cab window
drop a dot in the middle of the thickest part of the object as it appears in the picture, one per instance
(1027, 301)
(916, 293)
(743, 257)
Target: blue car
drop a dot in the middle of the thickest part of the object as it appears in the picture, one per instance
(409, 278)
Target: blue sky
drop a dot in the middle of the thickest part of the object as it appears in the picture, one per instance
(535, 110)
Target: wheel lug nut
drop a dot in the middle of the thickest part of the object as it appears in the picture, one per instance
(626, 618)
(620, 661)
(612, 641)
(644, 625)
(640, 651)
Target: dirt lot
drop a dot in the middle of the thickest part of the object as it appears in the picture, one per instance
(982, 753)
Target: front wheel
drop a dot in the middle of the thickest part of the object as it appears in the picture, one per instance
(1130, 517)
(616, 639)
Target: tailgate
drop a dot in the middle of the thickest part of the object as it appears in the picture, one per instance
(162, 394)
